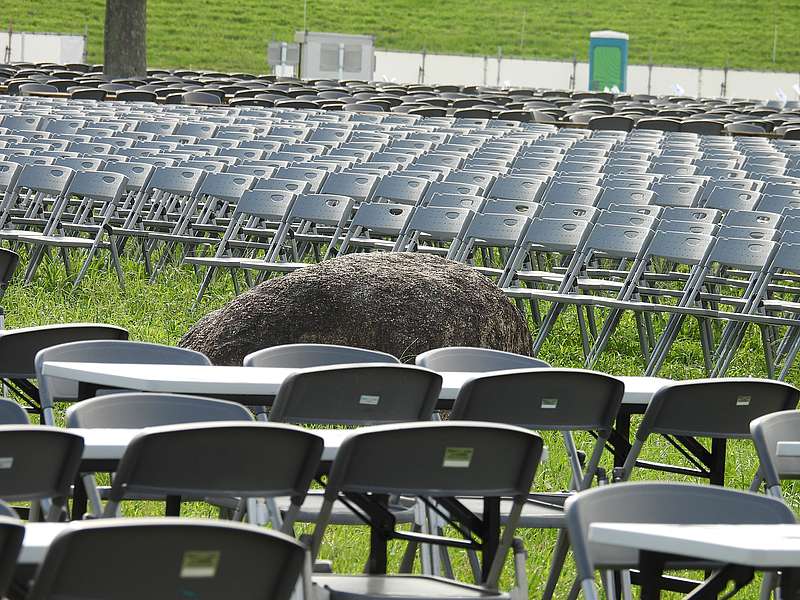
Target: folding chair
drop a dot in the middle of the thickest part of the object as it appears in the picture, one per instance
(767, 432)
(487, 232)
(97, 194)
(475, 360)
(620, 245)
(137, 410)
(36, 188)
(719, 409)
(11, 413)
(251, 229)
(200, 467)
(450, 460)
(40, 466)
(301, 356)
(657, 502)
(12, 533)
(204, 558)
(216, 195)
(561, 400)
(376, 226)
(672, 262)
(310, 211)
(434, 224)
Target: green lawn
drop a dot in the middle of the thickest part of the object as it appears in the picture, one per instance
(161, 313)
(232, 35)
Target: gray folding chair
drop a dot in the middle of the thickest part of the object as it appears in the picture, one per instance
(40, 464)
(12, 533)
(301, 356)
(436, 462)
(653, 503)
(200, 558)
(376, 226)
(11, 413)
(767, 432)
(475, 360)
(137, 410)
(250, 231)
(719, 409)
(53, 389)
(562, 400)
(199, 465)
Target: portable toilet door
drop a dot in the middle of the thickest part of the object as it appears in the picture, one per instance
(608, 60)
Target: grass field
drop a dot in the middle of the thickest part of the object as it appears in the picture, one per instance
(232, 35)
(161, 313)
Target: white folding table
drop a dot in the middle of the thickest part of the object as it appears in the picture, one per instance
(742, 548)
(255, 385)
(788, 449)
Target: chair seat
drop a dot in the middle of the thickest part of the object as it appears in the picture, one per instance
(544, 511)
(210, 261)
(400, 587)
(341, 515)
(279, 267)
(60, 240)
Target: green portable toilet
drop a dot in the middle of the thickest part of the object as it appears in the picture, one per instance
(608, 60)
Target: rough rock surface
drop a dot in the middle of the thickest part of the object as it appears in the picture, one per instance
(399, 303)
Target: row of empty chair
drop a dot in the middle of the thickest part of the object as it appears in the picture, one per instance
(267, 191)
(598, 109)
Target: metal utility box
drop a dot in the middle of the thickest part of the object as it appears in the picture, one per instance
(283, 57)
(608, 60)
(335, 55)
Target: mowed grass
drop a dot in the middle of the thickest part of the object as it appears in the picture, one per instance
(161, 312)
(232, 36)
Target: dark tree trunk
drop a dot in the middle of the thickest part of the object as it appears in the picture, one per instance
(125, 45)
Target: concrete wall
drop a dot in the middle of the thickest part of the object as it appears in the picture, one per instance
(43, 47)
(411, 67)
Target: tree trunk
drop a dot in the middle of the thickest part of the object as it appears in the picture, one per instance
(125, 45)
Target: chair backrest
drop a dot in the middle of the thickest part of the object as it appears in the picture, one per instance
(52, 389)
(658, 502)
(766, 432)
(676, 194)
(401, 189)
(38, 462)
(11, 413)
(358, 186)
(12, 533)
(302, 356)
(208, 459)
(204, 559)
(475, 360)
(548, 399)
(516, 188)
(357, 394)
(19, 347)
(225, 186)
(136, 410)
(715, 408)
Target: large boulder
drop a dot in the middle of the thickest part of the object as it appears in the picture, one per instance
(403, 304)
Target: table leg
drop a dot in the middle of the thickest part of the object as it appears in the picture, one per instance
(79, 498)
(651, 567)
(491, 534)
(717, 463)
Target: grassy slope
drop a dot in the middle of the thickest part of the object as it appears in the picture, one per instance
(161, 313)
(231, 35)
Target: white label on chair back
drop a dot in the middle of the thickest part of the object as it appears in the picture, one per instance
(742, 400)
(199, 563)
(457, 458)
(549, 402)
(369, 400)
(6, 462)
